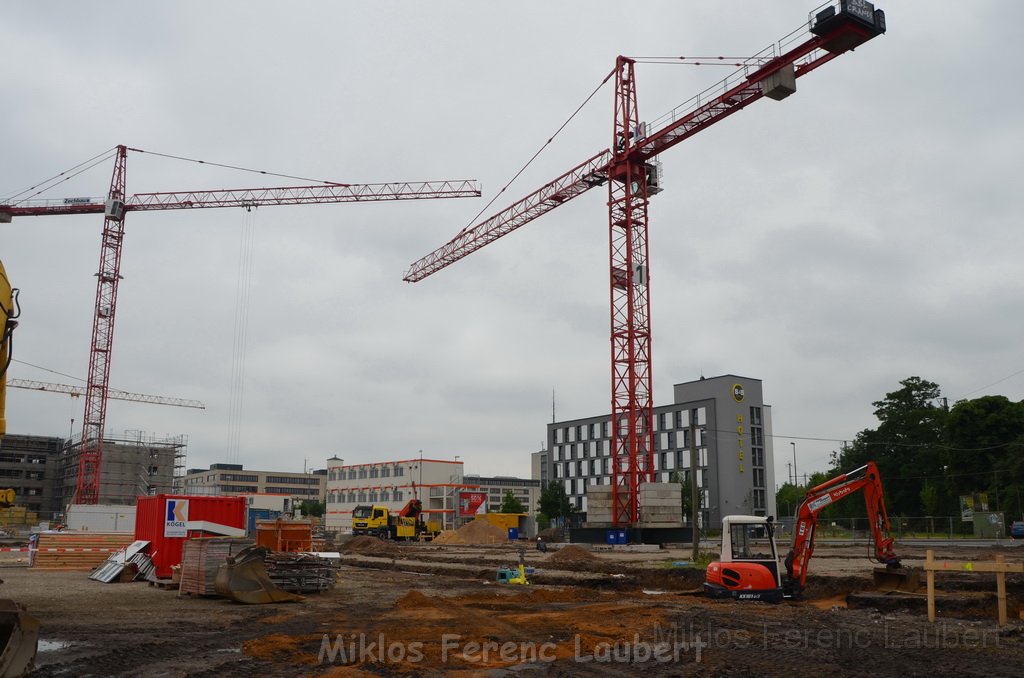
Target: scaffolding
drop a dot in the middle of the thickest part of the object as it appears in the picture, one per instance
(134, 464)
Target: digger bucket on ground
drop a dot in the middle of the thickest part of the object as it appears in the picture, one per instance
(19, 632)
(904, 579)
(244, 579)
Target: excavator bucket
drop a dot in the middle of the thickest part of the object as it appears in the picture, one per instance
(903, 579)
(19, 632)
(244, 579)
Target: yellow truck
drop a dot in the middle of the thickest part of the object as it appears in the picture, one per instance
(380, 521)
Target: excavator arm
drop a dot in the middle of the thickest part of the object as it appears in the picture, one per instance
(8, 313)
(866, 479)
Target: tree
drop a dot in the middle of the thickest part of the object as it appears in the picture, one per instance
(686, 503)
(908, 446)
(986, 440)
(509, 504)
(554, 502)
(312, 508)
(788, 498)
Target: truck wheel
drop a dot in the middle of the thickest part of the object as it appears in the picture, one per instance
(382, 533)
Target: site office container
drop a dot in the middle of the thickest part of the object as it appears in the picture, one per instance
(167, 520)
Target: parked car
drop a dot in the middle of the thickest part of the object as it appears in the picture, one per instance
(1017, 530)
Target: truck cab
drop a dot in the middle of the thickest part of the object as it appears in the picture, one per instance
(749, 565)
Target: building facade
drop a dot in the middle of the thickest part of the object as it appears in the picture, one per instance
(526, 490)
(29, 465)
(132, 465)
(233, 479)
(723, 418)
(435, 482)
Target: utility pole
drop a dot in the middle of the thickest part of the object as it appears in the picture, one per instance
(795, 476)
(694, 506)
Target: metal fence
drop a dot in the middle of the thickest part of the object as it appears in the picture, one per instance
(901, 527)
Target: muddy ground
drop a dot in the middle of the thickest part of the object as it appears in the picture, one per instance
(434, 611)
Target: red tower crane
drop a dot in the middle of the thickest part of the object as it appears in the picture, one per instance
(118, 203)
(632, 176)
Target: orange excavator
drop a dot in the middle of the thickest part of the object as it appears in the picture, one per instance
(749, 567)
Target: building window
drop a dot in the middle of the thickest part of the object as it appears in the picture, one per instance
(755, 416)
(374, 472)
(385, 472)
(758, 477)
(399, 471)
(757, 456)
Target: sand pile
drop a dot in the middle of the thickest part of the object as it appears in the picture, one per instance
(475, 532)
(572, 554)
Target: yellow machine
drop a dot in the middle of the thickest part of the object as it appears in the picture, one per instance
(8, 303)
(380, 521)
(510, 575)
(19, 631)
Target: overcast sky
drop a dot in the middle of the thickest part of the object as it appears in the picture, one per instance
(862, 231)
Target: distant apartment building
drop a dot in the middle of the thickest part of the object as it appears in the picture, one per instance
(731, 430)
(435, 482)
(232, 479)
(29, 466)
(526, 490)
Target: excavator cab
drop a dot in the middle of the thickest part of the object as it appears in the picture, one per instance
(749, 565)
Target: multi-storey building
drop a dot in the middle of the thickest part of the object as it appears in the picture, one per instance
(435, 482)
(28, 465)
(724, 419)
(135, 464)
(526, 490)
(233, 479)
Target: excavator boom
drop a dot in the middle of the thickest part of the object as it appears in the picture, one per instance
(865, 479)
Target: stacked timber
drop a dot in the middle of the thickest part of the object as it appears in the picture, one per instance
(77, 550)
(201, 558)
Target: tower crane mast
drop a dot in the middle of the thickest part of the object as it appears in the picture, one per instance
(632, 177)
(114, 208)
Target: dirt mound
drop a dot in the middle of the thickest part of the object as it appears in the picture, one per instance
(572, 554)
(552, 535)
(475, 532)
(414, 600)
(370, 546)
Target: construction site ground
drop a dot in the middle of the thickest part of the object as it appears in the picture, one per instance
(433, 610)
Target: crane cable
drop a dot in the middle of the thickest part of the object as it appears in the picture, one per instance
(539, 151)
(240, 169)
(60, 177)
(241, 331)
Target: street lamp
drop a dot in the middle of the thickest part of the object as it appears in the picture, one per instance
(796, 478)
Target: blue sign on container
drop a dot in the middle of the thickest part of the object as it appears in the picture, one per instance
(513, 533)
(621, 537)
